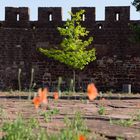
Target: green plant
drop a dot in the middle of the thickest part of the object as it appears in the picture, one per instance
(32, 78)
(18, 130)
(21, 129)
(119, 138)
(48, 114)
(137, 116)
(77, 123)
(19, 79)
(43, 135)
(73, 128)
(3, 114)
(31, 86)
(24, 130)
(101, 110)
(71, 86)
(122, 122)
(74, 50)
(33, 123)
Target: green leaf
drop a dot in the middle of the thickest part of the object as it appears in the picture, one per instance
(73, 48)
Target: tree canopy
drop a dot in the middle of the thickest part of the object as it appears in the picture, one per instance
(73, 50)
(136, 3)
(136, 28)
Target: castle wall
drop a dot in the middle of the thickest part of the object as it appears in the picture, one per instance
(117, 63)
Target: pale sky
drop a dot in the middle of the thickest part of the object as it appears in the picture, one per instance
(66, 5)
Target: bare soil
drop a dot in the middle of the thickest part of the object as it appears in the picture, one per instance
(124, 107)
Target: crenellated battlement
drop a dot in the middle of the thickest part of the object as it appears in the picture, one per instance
(49, 14)
(16, 14)
(118, 58)
(13, 16)
(20, 17)
(113, 14)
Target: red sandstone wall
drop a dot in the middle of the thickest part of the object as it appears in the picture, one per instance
(118, 60)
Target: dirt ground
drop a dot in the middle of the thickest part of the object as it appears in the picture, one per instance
(116, 108)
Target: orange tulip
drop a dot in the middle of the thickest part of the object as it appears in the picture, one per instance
(56, 95)
(82, 137)
(92, 91)
(36, 102)
(43, 95)
(41, 98)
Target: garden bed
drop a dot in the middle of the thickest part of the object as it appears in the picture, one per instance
(108, 117)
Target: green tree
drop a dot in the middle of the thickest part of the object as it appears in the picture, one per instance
(136, 28)
(136, 3)
(136, 37)
(74, 49)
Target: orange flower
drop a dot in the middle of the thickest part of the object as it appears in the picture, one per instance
(82, 137)
(41, 98)
(36, 102)
(56, 95)
(43, 95)
(92, 91)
